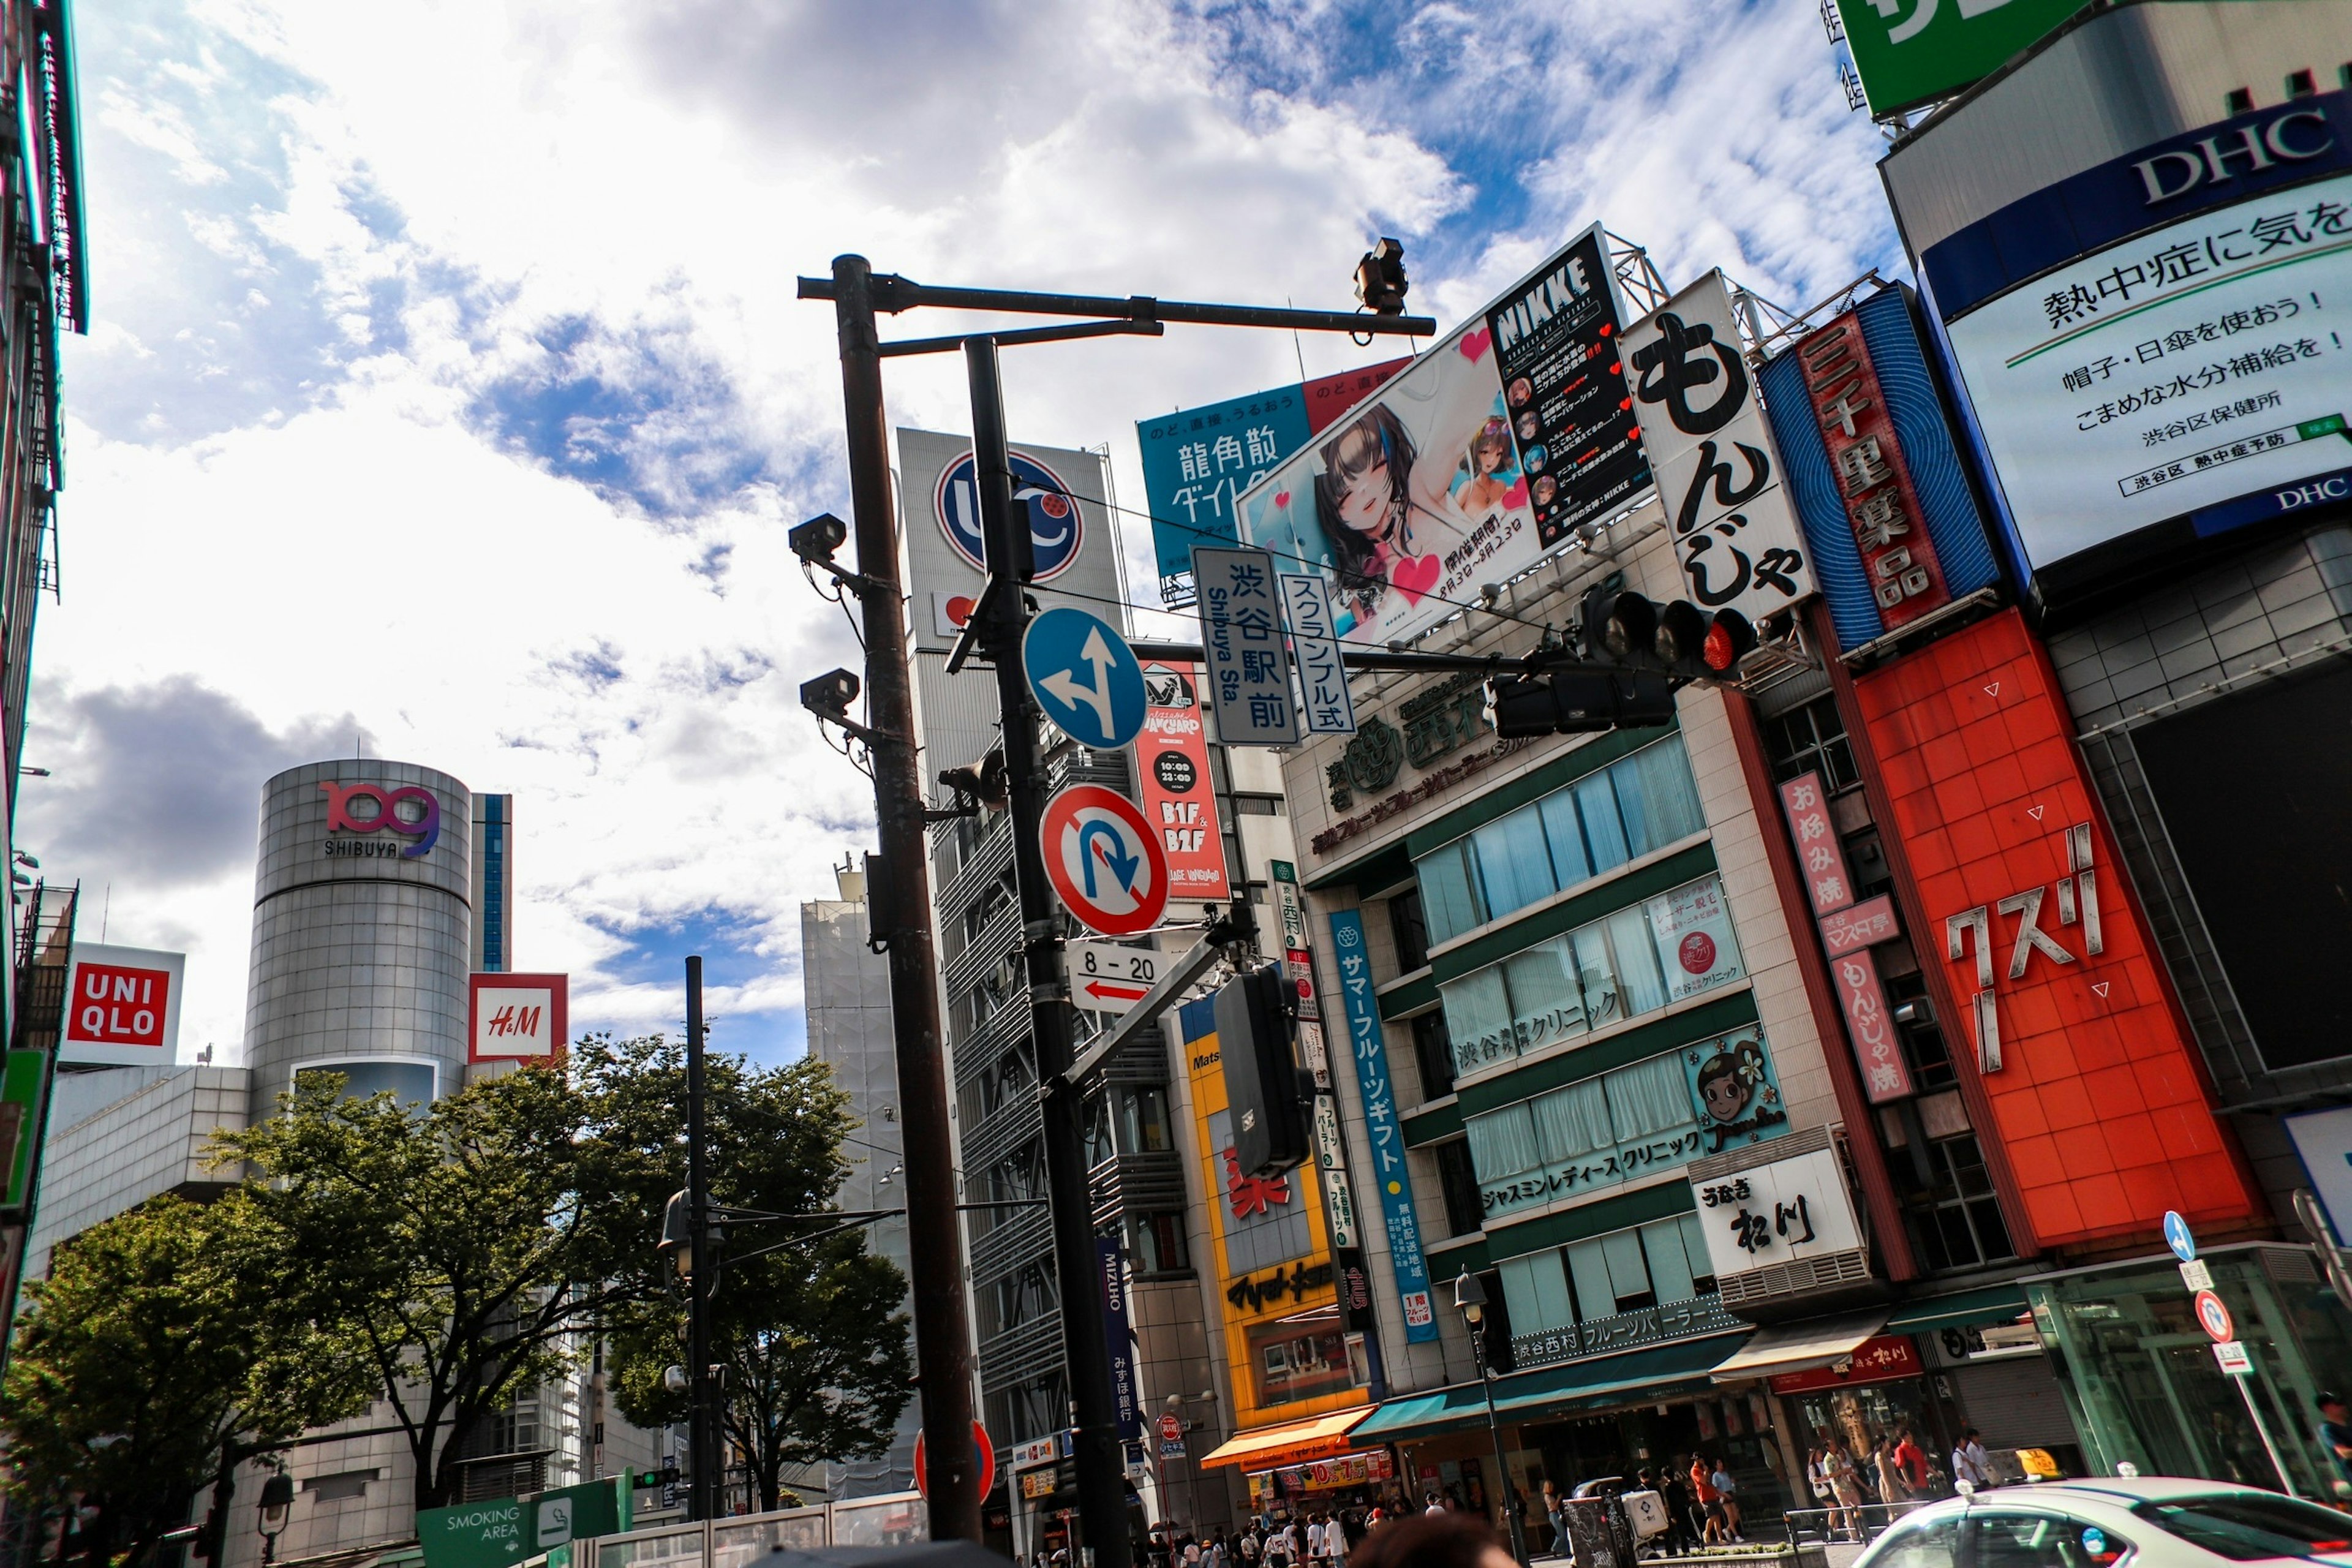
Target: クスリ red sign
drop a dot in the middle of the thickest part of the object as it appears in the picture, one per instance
(116, 1005)
(1881, 1360)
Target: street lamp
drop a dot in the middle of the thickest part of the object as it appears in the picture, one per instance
(277, 1502)
(1470, 1297)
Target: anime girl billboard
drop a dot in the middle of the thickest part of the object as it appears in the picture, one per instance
(1467, 467)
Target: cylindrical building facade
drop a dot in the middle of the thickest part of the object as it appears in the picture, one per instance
(362, 927)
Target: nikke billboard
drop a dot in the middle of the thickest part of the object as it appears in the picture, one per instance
(1470, 464)
(122, 1006)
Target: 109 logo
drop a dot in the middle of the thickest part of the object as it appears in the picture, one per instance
(382, 815)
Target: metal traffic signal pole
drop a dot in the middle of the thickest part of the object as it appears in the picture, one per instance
(1096, 1443)
(701, 1417)
(903, 893)
(934, 1231)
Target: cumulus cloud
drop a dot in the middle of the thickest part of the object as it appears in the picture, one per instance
(450, 375)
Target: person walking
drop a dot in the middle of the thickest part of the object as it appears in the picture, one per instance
(1709, 1500)
(1726, 1491)
(1912, 1460)
(1890, 1471)
(1845, 1488)
(1676, 1492)
(1970, 1463)
(1557, 1543)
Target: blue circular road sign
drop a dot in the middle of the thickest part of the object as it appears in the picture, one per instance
(1055, 527)
(2176, 1236)
(1085, 676)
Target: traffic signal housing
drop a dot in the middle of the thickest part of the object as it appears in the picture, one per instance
(1579, 700)
(1254, 1028)
(1679, 639)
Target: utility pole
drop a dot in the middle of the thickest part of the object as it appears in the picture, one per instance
(702, 1427)
(1096, 1443)
(934, 1232)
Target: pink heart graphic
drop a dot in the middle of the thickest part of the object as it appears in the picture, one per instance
(1413, 576)
(1473, 344)
(1282, 497)
(1516, 496)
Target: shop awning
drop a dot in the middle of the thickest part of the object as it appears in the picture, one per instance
(1547, 1391)
(1292, 1443)
(1962, 1310)
(1800, 1347)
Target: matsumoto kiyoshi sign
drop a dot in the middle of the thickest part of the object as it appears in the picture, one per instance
(2201, 372)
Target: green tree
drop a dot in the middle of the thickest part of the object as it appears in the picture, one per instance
(810, 1336)
(469, 1247)
(166, 1348)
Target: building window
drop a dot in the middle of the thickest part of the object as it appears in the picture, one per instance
(1635, 1120)
(1432, 1050)
(1636, 961)
(1649, 1266)
(1957, 1222)
(1923, 1042)
(1457, 1178)
(1412, 933)
(339, 1488)
(1583, 830)
(409, 1083)
(1808, 740)
(1155, 1242)
(1143, 1121)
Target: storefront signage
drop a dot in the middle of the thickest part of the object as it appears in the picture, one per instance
(1180, 799)
(1347, 1471)
(23, 1092)
(382, 811)
(2077, 904)
(1241, 633)
(1885, 1074)
(1514, 425)
(1382, 1129)
(1880, 502)
(2323, 1139)
(1719, 471)
(1056, 528)
(122, 1006)
(2108, 1122)
(1867, 924)
(513, 1017)
(1126, 1397)
(1438, 721)
(1322, 679)
(1339, 1203)
(1879, 1360)
(1820, 855)
(1909, 52)
(1037, 1451)
(1625, 1330)
(1776, 1211)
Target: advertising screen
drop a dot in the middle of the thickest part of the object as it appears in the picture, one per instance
(1909, 52)
(2196, 376)
(1470, 464)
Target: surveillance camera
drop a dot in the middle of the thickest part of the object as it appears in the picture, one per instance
(819, 538)
(830, 694)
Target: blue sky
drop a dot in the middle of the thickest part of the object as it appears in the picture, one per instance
(447, 388)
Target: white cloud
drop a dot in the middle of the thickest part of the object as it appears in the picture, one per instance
(450, 375)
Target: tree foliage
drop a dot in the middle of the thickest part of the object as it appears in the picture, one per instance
(810, 1336)
(470, 1246)
(167, 1347)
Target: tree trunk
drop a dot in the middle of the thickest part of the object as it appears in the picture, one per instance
(216, 1535)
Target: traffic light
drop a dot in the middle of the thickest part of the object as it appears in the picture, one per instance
(1269, 1123)
(1381, 281)
(1576, 702)
(1680, 638)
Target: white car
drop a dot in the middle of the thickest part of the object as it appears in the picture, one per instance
(2142, 1522)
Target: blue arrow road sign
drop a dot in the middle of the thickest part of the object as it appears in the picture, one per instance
(1085, 676)
(2176, 1236)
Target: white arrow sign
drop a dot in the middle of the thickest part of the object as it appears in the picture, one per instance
(1064, 683)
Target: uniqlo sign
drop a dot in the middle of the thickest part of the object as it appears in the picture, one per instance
(122, 1006)
(517, 1017)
